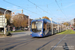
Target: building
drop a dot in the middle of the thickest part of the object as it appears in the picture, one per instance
(2, 10)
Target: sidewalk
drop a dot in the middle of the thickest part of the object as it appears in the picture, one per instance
(19, 34)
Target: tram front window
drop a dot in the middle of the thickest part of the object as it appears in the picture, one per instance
(37, 26)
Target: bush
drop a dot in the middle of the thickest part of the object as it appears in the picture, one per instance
(8, 34)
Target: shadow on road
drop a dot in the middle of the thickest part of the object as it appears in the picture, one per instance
(65, 47)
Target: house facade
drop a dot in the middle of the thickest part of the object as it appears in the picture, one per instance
(2, 10)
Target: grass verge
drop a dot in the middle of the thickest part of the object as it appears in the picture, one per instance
(2, 35)
(67, 32)
(17, 31)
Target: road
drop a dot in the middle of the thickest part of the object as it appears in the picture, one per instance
(26, 42)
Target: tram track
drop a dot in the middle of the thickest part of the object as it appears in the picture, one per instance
(29, 40)
(47, 43)
(52, 41)
(57, 43)
(60, 41)
(11, 47)
(20, 42)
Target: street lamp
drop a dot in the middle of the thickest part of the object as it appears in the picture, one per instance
(29, 22)
(4, 21)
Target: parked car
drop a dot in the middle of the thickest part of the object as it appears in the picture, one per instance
(26, 29)
(74, 29)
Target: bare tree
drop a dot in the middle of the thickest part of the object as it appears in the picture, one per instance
(20, 20)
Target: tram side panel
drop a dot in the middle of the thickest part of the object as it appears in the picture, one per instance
(54, 29)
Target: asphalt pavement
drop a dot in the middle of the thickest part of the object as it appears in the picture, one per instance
(26, 42)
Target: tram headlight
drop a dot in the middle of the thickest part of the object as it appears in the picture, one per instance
(40, 32)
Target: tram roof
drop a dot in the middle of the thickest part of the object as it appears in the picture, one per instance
(46, 20)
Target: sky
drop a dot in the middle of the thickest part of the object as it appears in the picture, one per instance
(58, 10)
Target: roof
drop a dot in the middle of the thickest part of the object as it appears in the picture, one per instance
(46, 20)
(4, 9)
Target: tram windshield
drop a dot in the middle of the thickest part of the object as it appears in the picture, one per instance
(37, 26)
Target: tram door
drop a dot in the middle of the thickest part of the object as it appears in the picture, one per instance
(47, 28)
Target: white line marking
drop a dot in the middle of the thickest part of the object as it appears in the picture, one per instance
(58, 42)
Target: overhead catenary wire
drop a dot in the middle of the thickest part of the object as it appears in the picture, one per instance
(20, 7)
(46, 11)
(60, 8)
(37, 6)
(27, 9)
(40, 8)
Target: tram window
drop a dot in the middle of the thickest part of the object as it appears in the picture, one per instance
(54, 26)
(33, 26)
(47, 26)
(44, 27)
(50, 27)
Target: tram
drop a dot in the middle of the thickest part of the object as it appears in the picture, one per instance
(44, 27)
